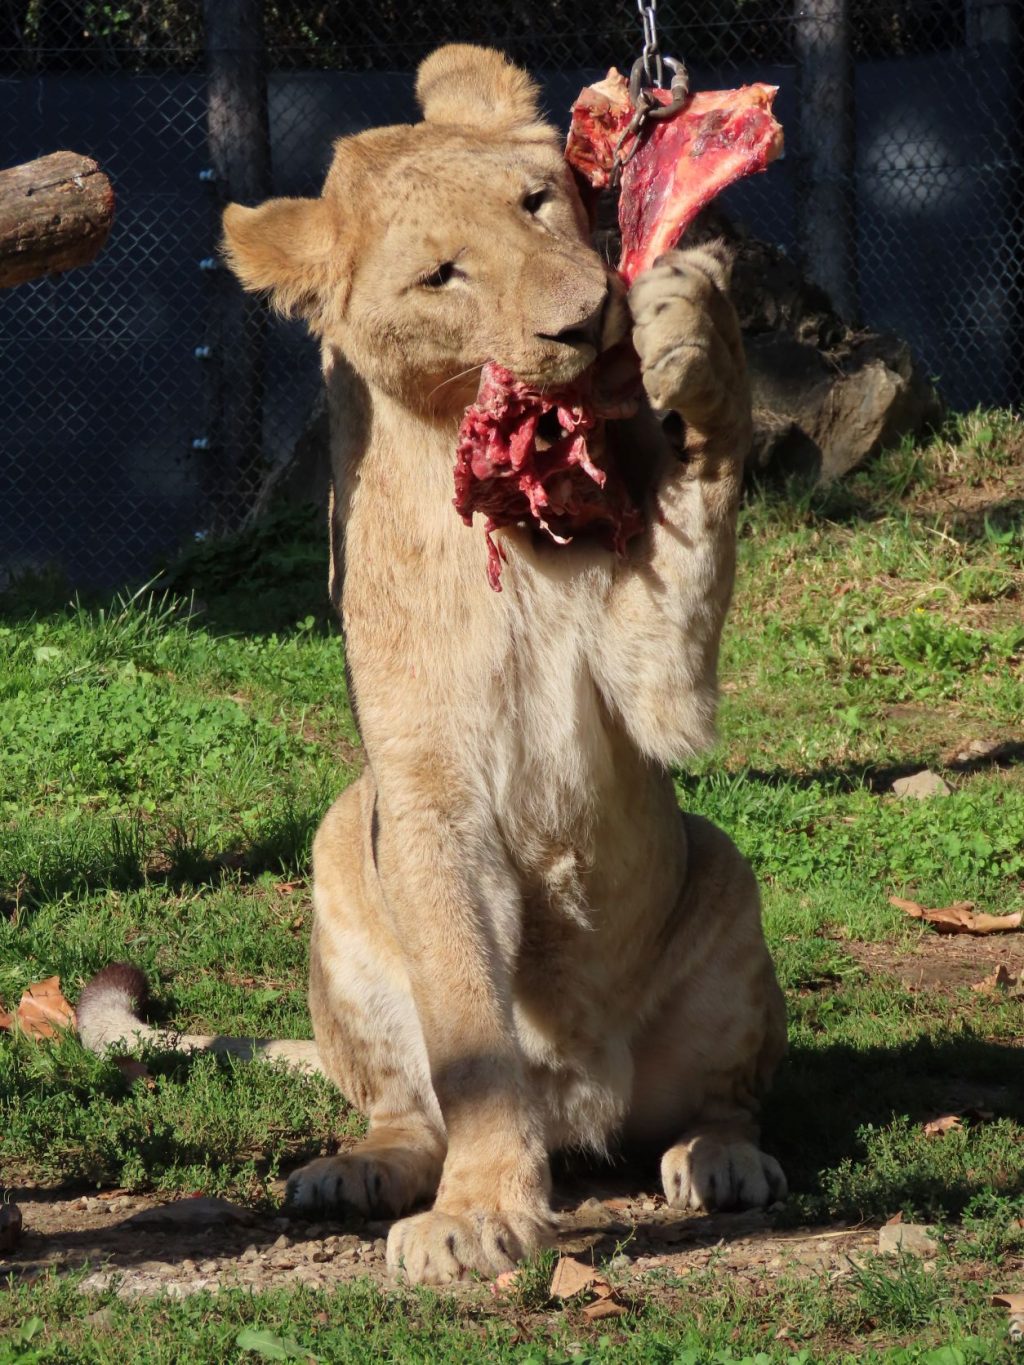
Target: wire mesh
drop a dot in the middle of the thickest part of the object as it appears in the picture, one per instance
(117, 378)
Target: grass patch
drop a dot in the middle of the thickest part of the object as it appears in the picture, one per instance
(167, 758)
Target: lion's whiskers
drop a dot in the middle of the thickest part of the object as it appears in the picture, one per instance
(452, 378)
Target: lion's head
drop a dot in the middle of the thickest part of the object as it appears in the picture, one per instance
(437, 246)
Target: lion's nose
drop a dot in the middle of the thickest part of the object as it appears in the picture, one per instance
(585, 333)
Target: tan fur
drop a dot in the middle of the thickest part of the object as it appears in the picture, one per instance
(520, 943)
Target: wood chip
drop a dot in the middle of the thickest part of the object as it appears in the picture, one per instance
(958, 918)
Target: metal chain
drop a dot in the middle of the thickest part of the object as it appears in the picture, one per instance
(653, 68)
(647, 75)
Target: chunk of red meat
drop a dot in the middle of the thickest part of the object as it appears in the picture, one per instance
(525, 457)
(718, 137)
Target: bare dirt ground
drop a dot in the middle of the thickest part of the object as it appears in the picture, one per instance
(940, 962)
(137, 1245)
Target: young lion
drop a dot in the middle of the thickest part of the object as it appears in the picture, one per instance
(520, 944)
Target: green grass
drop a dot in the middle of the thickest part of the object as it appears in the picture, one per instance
(166, 759)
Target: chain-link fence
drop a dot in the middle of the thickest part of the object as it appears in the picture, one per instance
(142, 402)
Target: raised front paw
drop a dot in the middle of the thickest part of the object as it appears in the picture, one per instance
(708, 1171)
(687, 336)
(439, 1248)
(375, 1184)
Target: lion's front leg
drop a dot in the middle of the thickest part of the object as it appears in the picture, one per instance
(454, 904)
(687, 335)
(659, 650)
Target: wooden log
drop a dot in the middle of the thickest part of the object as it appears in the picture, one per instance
(55, 213)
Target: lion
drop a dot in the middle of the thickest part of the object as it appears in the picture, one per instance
(520, 944)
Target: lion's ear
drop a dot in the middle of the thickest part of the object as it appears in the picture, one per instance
(476, 87)
(282, 248)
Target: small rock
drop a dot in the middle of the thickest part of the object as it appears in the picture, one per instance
(119, 1204)
(189, 1267)
(251, 1253)
(380, 1248)
(305, 1274)
(209, 1267)
(325, 1254)
(913, 1238)
(281, 1242)
(921, 785)
(648, 1206)
(620, 1262)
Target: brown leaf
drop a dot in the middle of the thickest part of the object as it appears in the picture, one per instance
(945, 1124)
(286, 888)
(571, 1277)
(896, 1218)
(41, 1011)
(1013, 1302)
(1001, 977)
(609, 1307)
(958, 917)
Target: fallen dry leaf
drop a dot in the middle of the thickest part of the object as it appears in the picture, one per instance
(945, 1124)
(1013, 1302)
(608, 1307)
(41, 1011)
(896, 1218)
(1001, 977)
(571, 1277)
(958, 918)
(286, 888)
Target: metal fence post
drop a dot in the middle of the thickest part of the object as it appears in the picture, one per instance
(238, 136)
(827, 216)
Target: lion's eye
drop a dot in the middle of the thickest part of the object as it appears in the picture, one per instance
(535, 200)
(437, 279)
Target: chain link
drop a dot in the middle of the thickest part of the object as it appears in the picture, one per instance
(653, 67)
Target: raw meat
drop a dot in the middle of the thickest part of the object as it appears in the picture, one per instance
(529, 458)
(681, 164)
(526, 456)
